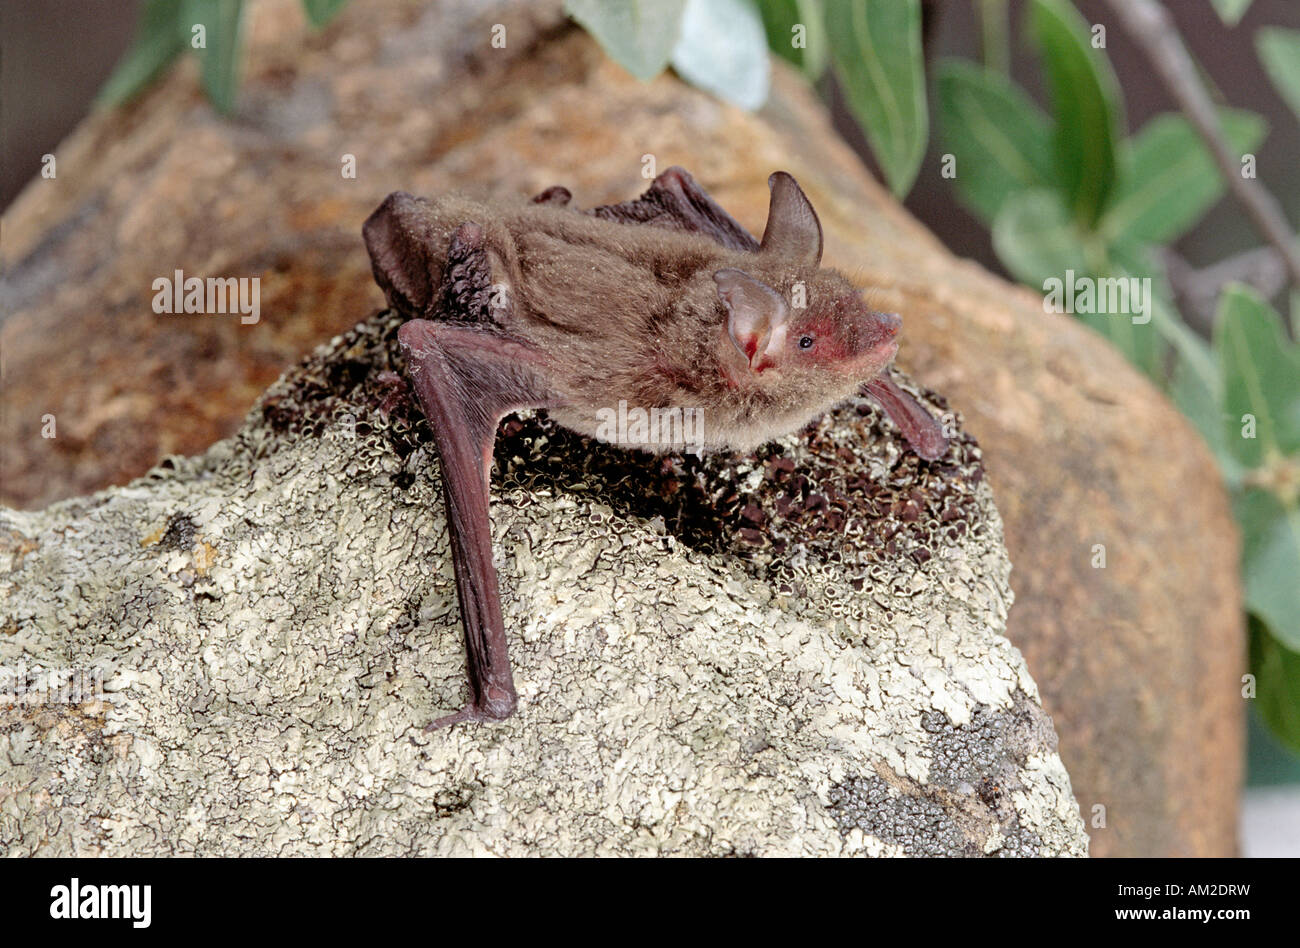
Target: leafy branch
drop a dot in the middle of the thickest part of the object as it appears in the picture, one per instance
(1152, 29)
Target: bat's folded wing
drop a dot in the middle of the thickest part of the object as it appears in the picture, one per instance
(676, 200)
(466, 380)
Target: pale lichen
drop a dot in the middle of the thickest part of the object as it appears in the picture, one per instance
(275, 621)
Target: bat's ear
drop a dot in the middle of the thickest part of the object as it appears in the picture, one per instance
(399, 237)
(793, 230)
(756, 314)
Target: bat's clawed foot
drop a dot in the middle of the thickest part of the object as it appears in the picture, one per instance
(496, 705)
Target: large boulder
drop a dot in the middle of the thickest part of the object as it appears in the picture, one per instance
(1138, 662)
(274, 621)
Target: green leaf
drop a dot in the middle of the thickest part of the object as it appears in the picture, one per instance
(1042, 246)
(1279, 51)
(1086, 103)
(791, 22)
(723, 50)
(1168, 179)
(218, 59)
(1270, 761)
(1194, 354)
(1277, 684)
(1202, 405)
(1133, 316)
(639, 35)
(1036, 239)
(1261, 377)
(1270, 562)
(1231, 11)
(320, 12)
(158, 41)
(1000, 140)
(876, 53)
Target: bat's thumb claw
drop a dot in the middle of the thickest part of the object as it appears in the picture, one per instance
(416, 335)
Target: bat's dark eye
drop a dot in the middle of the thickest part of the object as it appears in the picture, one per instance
(805, 342)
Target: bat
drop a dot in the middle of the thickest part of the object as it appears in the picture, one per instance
(664, 303)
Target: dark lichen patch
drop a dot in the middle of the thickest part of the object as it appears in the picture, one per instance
(923, 824)
(180, 533)
(994, 745)
(341, 384)
(807, 501)
(974, 770)
(844, 492)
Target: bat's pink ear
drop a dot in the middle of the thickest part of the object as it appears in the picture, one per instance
(398, 238)
(756, 314)
(793, 230)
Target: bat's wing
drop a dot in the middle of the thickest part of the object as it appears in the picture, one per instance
(466, 379)
(676, 201)
(923, 433)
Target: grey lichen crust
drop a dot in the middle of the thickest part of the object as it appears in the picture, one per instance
(798, 652)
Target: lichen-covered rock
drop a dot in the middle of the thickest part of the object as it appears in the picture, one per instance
(794, 652)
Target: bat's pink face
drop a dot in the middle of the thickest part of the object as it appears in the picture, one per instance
(844, 336)
(835, 338)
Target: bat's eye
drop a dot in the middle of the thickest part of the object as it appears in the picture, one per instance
(806, 342)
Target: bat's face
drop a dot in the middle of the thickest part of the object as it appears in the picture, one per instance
(842, 336)
(821, 333)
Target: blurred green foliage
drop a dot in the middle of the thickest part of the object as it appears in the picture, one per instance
(876, 54)
(1068, 191)
(211, 29)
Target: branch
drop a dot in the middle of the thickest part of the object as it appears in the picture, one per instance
(1151, 27)
(1197, 291)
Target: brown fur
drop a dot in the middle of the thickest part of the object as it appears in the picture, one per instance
(631, 312)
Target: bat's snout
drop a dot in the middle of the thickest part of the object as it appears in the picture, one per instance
(889, 323)
(877, 335)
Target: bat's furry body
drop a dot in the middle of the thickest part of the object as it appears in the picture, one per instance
(661, 303)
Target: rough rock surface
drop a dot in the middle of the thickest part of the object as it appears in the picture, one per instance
(275, 620)
(1138, 663)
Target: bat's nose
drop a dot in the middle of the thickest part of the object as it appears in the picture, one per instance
(877, 332)
(889, 323)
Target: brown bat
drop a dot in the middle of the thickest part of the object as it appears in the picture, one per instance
(665, 303)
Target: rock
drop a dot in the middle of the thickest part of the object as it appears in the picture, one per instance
(1139, 663)
(274, 622)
